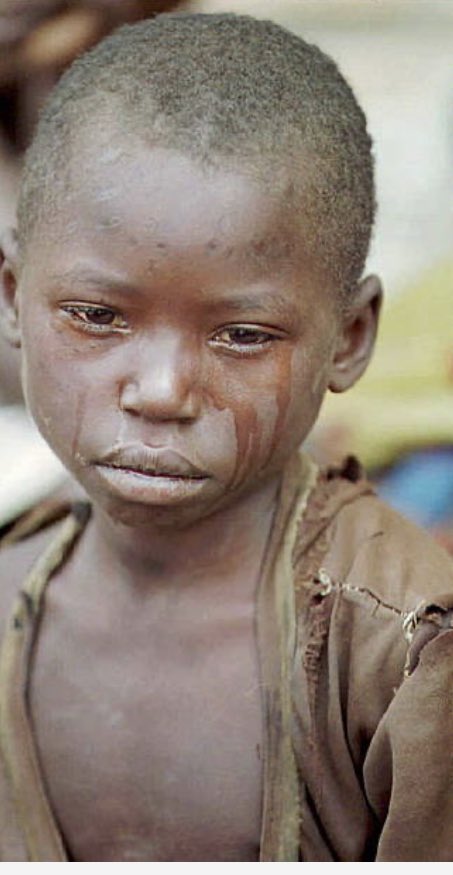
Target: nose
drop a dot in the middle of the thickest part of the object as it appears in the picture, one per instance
(164, 380)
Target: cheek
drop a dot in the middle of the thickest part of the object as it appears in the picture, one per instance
(255, 402)
(310, 374)
(275, 418)
(57, 392)
(214, 441)
(55, 405)
(228, 437)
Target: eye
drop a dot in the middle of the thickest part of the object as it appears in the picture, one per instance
(243, 337)
(95, 317)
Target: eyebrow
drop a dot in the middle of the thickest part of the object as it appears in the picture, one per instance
(261, 302)
(83, 276)
(264, 301)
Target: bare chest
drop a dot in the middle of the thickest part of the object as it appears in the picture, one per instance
(150, 749)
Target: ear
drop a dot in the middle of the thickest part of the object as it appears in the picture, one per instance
(356, 336)
(9, 268)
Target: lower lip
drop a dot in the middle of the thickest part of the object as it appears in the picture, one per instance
(151, 488)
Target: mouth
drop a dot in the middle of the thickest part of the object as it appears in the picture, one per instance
(151, 476)
(152, 462)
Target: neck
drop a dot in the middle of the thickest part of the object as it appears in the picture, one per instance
(226, 545)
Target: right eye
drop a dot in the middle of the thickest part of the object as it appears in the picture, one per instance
(95, 317)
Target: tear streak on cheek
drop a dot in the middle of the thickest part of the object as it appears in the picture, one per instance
(268, 428)
(34, 405)
(258, 434)
(222, 433)
(78, 425)
(281, 401)
(247, 436)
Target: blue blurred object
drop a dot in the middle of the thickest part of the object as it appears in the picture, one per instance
(420, 486)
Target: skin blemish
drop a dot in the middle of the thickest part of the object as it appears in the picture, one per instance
(109, 223)
(275, 249)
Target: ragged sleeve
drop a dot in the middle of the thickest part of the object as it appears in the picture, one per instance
(408, 771)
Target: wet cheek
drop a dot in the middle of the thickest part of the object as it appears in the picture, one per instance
(247, 426)
(246, 421)
(289, 407)
(269, 417)
(49, 403)
(226, 435)
(57, 401)
(216, 447)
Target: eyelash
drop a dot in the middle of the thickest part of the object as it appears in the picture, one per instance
(223, 338)
(78, 311)
(261, 339)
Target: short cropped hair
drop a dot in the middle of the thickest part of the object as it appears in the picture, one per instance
(222, 87)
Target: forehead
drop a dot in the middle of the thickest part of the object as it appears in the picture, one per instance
(113, 180)
(136, 208)
(160, 192)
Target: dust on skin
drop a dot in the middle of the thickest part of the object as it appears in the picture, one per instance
(185, 239)
(223, 357)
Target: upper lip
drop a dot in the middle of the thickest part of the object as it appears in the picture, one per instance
(158, 461)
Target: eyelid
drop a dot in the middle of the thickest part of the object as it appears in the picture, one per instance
(74, 309)
(244, 348)
(256, 327)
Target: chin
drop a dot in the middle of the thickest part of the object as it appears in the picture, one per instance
(153, 513)
(135, 516)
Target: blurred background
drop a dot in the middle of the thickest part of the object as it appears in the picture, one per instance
(397, 55)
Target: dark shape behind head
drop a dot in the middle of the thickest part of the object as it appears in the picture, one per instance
(222, 88)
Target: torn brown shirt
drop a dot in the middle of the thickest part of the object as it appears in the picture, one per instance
(356, 652)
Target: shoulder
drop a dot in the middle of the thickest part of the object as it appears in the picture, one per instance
(373, 546)
(362, 542)
(387, 580)
(366, 585)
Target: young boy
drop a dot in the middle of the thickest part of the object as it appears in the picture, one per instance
(205, 660)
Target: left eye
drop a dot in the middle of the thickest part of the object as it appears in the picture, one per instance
(242, 335)
(97, 317)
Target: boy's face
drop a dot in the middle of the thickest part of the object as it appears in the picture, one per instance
(174, 353)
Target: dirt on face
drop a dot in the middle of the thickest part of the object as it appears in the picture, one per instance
(170, 368)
